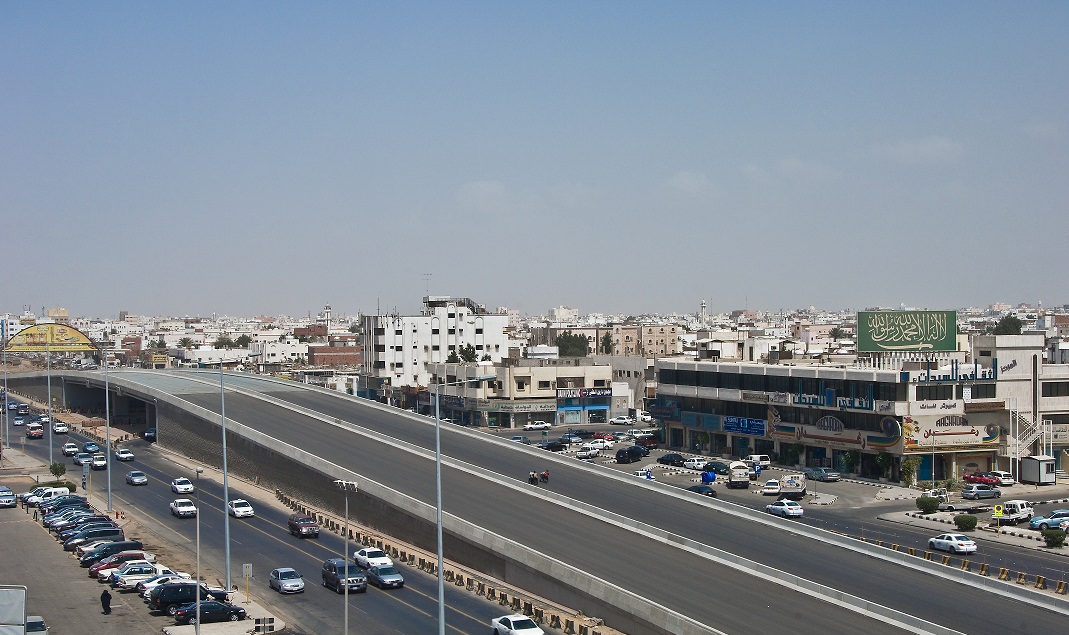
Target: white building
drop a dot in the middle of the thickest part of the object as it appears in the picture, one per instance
(399, 347)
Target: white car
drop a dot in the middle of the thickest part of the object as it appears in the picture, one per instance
(695, 462)
(60, 428)
(601, 444)
(515, 624)
(587, 452)
(183, 508)
(771, 488)
(371, 557)
(239, 508)
(1004, 478)
(71, 449)
(954, 543)
(785, 508)
(182, 486)
(537, 425)
(145, 586)
(621, 421)
(123, 454)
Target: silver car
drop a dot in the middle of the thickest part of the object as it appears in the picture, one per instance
(8, 498)
(136, 477)
(286, 580)
(385, 577)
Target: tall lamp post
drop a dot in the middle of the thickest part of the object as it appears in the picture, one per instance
(197, 599)
(346, 486)
(438, 486)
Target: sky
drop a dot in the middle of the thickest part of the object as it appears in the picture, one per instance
(268, 158)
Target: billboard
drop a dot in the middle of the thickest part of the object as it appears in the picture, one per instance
(906, 331)
(56, 338)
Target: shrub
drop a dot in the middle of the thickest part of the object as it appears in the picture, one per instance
(1054, 538)
(965, 522)
(928, 504)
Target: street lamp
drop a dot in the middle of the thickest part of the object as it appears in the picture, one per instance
(438, 487)
(197, 599)
(346, 486)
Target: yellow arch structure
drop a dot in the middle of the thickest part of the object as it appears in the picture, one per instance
(54, 338)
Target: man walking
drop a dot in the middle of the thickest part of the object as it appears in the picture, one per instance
(105, 602)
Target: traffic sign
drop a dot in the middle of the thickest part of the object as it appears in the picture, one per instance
(998, 511)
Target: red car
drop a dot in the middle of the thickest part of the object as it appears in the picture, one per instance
(983, 478)
(117, 560)
(603, 435)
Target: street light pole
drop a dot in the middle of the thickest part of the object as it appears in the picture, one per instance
(197, 598)
(107, 423)
(226, 487)
(346, 486)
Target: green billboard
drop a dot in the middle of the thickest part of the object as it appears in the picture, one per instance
(906, 331)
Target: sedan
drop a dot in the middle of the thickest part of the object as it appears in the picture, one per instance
(771, 488)
(537, 425)
(675, 460)
(70, 449)
(90, 447)
(82, 458)
(695, 462)
(521, 439)
(371, 557)
(980, 477)
(136, 477)
(621, 421)
(210, 611)
(516, 624)
(183, 508)
(1051, 520)
(123, 454)
(385, 577)
(286, 580)
(785, 508)
(704, 490)
(182, 486)
(240, 508)
(954, 543)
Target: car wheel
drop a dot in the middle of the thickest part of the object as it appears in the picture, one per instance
(999, 495)
(953, 549)
(1044, 526)
(931, 545)
(172, 609)
(234, 617)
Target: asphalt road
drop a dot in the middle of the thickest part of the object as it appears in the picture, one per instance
(730, 600)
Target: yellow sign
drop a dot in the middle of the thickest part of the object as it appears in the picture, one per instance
(998, 511)
(55, 338)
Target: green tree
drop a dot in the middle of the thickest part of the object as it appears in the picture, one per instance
(966, 522)
(907, 470)
(486, 358)
(885, 461)
(928, 504)
(606, 344)
(57, 469)
(1008, 325)
(242, 341)
(224, 341)
(453, 358)
(836, 333)
(468, 354)
(186, 343)
(354, 328)
(160, 343)
(572, 345)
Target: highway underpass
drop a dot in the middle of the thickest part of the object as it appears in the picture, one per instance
(599, 541)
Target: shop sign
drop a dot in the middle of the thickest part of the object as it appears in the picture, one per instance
(524, 407)
(744, 425)
(755, 396)
(985, 406)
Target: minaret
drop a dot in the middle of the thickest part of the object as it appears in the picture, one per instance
(704, 323)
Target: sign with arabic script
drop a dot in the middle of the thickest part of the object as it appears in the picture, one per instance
(908, 331)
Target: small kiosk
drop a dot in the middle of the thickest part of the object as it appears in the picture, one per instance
(1037, 470)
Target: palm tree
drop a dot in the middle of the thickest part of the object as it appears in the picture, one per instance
(186, 343)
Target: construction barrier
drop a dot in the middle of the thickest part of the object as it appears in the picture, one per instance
(964, 565)
(569, 626)
(927, 555)
(491, 594)
(528, 609)
(945, 560)
(539, 616)
(554, 621)
(1022, 578)
(1061, 588)
(895, 547)
(983, 569)
(1041, 582)
(503, 598)
(911, 551)
(1003, 573)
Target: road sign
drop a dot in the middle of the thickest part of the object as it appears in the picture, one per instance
(998, 511)
(757, 469)
(246, 570)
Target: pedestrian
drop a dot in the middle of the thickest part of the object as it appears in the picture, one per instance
(532, 478)
(105, 601)
(545, 476)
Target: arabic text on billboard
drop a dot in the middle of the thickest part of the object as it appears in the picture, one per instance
(882, 331)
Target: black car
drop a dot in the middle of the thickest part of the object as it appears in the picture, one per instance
(553, 446)
(78, 521)
(582, 434)
(210, 611)
(70, 500)
(675, 460)
(631, 454)
(716, 467)
(704, 490)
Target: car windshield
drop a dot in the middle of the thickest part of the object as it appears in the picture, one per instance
(242, 504)
(518, 624)
(288, 575)
(387, 571)
(304, 519)
(136, 474)
(374, 553)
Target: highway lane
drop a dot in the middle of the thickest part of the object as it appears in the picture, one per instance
(581, 540)
(264, 542)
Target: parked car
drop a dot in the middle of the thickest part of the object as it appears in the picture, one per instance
(70, 449)
(89, 535)
(182, 486)
(91, 557)
(954, 543)
(587, 452)
(629, 455)
(122, 454)
(785, 508)
(210, 611)
(522, 439)
(821, 474)
(372, 557)
(980, 477)
(621, 421)
(136, 477)
(338, 573)
(515, 624)
(770, 488)
(704, 490)
(537, 425)
(303, 526)
(599, 443)
(240, 508)
(286, 580)
(385, 577)
(79, 520)
(673, 459)
(145, 587)
(976, 492)
(183, 508)
(605, 434)
(582, 434)
(570, 438)
(553, 446)
(647, 441)
(695, 462)
(1004, 478)
(67, 534)
(1050, 521)
(717, 467)
(169, 597)
(8, 497)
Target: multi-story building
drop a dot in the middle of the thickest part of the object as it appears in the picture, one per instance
(398, 348)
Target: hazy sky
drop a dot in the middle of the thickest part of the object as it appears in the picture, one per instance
(266, 158)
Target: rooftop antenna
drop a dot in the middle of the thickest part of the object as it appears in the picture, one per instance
(427, 280)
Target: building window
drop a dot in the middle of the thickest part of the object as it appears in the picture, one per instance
(434, 348)
(543, 385)
(1055, 389)
(478, 331)
(937, 392)
(981, 391)
(398, 332)
(985, 353)
(434, 331)
(452, 331)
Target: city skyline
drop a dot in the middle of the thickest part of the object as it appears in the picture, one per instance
(268, 159)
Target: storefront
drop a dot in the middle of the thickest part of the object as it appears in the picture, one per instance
(581, 406)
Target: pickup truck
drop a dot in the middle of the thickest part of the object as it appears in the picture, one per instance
(1015, 512)
(587, 452)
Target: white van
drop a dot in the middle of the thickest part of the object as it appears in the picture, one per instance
(47, 495)
(759, 459)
